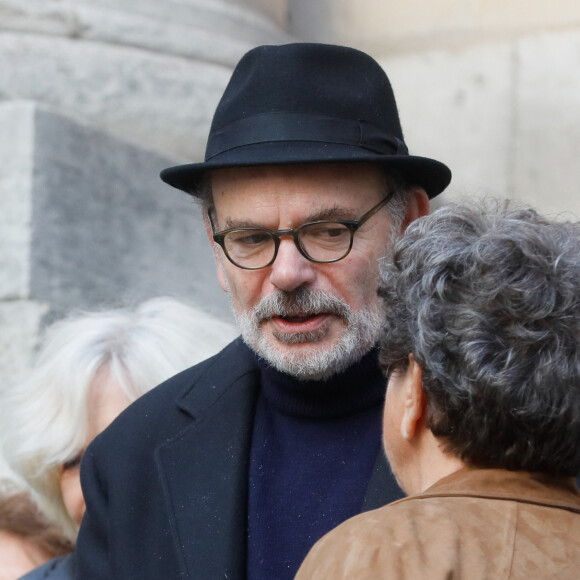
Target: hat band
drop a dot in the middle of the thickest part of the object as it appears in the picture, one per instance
(276, 127)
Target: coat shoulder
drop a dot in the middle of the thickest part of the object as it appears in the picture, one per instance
(170, 406)
(60, 568)
(436, 537)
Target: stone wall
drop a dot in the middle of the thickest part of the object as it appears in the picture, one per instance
(491, 88)
(148, 71)
(86, 224)
(97, 95)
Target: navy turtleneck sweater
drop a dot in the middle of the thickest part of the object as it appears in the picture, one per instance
(313, 451)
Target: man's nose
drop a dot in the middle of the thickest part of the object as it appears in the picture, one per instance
(291, 269)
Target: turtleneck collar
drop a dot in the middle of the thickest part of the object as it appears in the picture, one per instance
(358, 388)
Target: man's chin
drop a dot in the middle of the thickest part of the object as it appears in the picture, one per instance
(314, 360)
(318, 351)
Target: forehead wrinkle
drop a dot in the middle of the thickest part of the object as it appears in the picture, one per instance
(335, 212)
(242, 223)
(261, 203)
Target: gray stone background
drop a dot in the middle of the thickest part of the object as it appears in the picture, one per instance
(96, 96)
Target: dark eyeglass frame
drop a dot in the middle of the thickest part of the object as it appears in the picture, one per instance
(352, 225)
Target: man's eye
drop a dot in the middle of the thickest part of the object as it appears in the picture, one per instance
(328, 232)
(251, 239)
(332, 232)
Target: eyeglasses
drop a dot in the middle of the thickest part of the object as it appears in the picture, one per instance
(320, 241)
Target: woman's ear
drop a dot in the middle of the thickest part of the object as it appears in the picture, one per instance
(414, 400)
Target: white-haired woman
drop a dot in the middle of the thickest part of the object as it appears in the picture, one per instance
(90, 368)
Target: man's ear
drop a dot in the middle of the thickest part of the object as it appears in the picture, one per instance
(417, 206)
(414, 400)
(221, 275)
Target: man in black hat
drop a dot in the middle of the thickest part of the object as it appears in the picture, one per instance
(234, 468)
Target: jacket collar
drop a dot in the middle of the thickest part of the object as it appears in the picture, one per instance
(217, 375)
(523, 486)
(208, 514)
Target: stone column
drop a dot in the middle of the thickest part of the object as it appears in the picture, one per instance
(86, 223)
(96, 96)
(148, 71)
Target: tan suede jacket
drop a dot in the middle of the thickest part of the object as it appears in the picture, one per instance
(473, 524)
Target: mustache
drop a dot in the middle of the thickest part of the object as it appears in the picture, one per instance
(302, 302)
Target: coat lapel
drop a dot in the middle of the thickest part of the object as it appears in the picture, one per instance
(204, 472)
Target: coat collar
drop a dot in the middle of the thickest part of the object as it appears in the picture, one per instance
(522, 486)
(217, 375)
(209, 511)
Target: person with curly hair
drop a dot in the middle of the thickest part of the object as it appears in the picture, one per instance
(481, 344)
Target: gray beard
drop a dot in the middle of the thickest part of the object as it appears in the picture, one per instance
(361, 333)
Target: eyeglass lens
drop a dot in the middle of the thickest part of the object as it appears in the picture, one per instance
(324, 242)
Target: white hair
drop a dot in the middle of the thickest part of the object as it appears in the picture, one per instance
(45, 416)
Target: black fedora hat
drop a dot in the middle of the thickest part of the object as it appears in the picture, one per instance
(308, 103)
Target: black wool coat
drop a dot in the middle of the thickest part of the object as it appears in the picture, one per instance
(166, 484)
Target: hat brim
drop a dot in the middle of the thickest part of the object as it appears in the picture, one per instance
(430, 174)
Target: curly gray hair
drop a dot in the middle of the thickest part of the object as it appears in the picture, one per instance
(488, 301)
